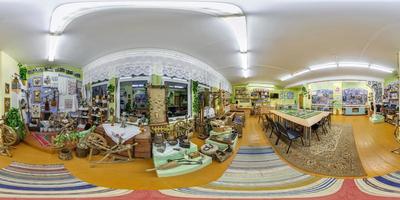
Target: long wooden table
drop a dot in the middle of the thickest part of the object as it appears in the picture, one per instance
(305, 122)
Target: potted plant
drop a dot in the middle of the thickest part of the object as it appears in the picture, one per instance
(14, 120)
(336, 105)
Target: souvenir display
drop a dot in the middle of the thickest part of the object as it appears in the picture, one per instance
(158, 108)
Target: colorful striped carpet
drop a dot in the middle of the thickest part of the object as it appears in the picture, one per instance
(257, 172)
(47, 181)
(385, 186)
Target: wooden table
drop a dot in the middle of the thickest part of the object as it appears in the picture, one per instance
(305, 122)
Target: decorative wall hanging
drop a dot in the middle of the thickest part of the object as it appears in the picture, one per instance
(146, 62)
(7, 88)
(35, 111)
(7, 104)
(36, 96)
(37, 82)
(157, 104)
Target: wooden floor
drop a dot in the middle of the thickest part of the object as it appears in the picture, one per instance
(374, 143)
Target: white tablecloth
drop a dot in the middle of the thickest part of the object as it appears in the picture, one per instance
(126, 133)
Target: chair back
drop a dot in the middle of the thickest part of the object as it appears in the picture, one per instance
(282, 130)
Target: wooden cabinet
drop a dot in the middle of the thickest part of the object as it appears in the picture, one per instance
(143, 148)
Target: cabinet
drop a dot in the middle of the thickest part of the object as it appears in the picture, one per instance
(143, 147)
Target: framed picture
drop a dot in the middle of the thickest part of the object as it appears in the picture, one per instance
(7, 104)
(37, 82)
(7, 88)
(36, 96)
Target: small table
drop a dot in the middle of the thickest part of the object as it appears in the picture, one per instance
(126, 133)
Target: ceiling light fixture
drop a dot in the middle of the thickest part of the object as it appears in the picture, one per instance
(323, 66)
(246, 73)
(340, 64)
(52, 42)
(245, 61)
(353, 64)
(262, 85)
(287, 77)
(381, 68)
(301, 72)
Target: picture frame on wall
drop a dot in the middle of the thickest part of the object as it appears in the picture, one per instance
(7, 88)
(36, 96)
(37, 82)
(7, 104)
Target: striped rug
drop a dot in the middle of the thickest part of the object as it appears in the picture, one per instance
(47, 181)
(384, 186)
(257, 172)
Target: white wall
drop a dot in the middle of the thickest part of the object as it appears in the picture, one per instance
(8, 67)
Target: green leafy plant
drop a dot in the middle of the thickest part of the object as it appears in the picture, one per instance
(72, 137)
(196, 101)
(14, 120)
(111, 88)
(22, 72)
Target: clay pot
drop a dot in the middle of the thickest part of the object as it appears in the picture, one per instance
(65, 154)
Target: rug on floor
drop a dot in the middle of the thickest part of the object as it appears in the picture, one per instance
(257, 172)
(44, 139)
(334, 155)
(385, 186)
(20, 180)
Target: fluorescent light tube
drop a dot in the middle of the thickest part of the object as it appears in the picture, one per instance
(323, 66)
(381, 68)
(245, 61)
(301, 72)
(287, 77)
(246, 73)
(52, 42)
(353, 64)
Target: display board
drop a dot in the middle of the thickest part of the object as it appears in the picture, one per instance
(157, 104)
(322, 97)
(355, 96)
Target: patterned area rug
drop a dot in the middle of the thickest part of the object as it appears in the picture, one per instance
(44, 139)
(257, 172)
(334, 155)
(385, 186)
(48, 181)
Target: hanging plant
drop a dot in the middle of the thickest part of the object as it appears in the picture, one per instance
(22, 72)
(14, 120)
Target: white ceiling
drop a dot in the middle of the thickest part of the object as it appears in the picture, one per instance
(284, 36)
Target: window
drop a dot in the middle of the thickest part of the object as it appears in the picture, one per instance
(133, 98)
(99, 91)
(177, 99)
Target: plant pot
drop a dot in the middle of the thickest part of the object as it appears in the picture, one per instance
(81, 152)
(65, 154)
